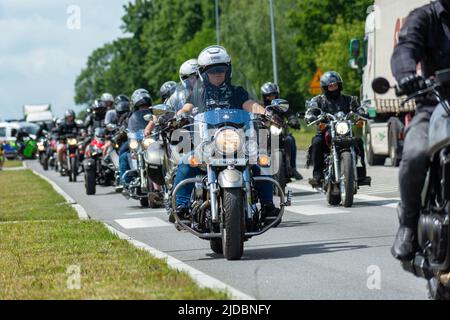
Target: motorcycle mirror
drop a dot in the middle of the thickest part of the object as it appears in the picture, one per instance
(381, 85)
(161, 109)
(279, 105)
(148, 117)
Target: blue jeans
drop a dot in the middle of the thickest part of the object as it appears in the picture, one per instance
(124, 166)
(185, 171)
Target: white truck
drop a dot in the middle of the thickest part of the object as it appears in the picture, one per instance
(384, 134)
(38, 113)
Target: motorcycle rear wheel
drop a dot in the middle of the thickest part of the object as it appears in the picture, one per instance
(234, 226)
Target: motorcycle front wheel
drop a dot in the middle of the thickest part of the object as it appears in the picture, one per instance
(73, 169)
(89, 182)
(234, 224)
(348, 179)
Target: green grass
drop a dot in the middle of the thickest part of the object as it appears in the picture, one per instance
(12, 164)
(304, 136)
(25, 196)
(35, 256)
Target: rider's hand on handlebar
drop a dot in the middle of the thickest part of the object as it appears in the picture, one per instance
(412, 83)
(294, 123)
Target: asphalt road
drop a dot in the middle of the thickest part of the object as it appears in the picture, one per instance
(318, 252)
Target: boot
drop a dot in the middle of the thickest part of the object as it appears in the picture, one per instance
(297, 175)
(405, 245)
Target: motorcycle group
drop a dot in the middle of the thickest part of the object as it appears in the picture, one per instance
(219, 161)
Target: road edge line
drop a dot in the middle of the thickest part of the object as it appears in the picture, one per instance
(202, 279)
(82, 214)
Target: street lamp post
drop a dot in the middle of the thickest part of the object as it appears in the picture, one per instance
(274, 43)
(217, 23)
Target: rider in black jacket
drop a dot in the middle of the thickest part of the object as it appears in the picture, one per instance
(69, 126)
(425, 39)
(332, 101)
(269, 92)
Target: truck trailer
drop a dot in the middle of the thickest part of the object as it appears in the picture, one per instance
(384, 134)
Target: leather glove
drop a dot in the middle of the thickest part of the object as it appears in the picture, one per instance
(412, 83)
(294, 123)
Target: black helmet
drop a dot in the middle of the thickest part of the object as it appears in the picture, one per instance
(99, 107)
(167, 89)
(140, 97)
(268, 89)
(331, 77)
(122, 104)
(69, 113)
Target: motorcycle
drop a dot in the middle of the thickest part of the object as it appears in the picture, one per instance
(223, 206)
(161, 156)
(140, 187)
(52, 153)
(342, 176)
(118, 137)
(96, 171)
(72, 157)
(42, 145)
(282, 157)
(432, 260)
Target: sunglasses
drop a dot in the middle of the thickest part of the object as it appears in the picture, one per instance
(217, 70)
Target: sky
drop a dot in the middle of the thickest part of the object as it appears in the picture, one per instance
(44, 44)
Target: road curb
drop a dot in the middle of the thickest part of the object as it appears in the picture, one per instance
(82, 214)
(202, 279)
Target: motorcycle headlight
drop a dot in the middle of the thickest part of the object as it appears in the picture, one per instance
(41, 148)
(72, 142)
(227, 141)
(147, 142)
(275, 131)
(134, 144)
(342, 128)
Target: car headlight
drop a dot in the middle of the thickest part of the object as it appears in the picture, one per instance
(72, 141)
(275, 131)
(147, 142)
(342, 128)
(134, 144)
(228, 141)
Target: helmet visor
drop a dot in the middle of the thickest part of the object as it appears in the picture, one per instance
(217, 70)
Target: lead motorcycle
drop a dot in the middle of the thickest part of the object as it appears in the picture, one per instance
(342, 176)
(432, 260)
(224, 203)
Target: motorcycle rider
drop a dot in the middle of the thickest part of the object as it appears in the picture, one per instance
(121, 109)
(97, 118)
(166, 90)
(141, 101)
(425, 39)
(214, 90)
(331, 101)
(269, 92)
(69, 126)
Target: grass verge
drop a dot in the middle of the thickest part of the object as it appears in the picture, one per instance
(65, 258)
(12, 164)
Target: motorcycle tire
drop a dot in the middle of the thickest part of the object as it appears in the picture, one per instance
(73, 169)
(437, 291)
(144, 202)
(333, 199)
(216, 245)
(234, 227)
(348, 174)
(45, 163)
(90, 182)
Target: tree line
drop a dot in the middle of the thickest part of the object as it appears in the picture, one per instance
(159, 35)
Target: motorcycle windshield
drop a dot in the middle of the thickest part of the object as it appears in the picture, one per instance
(136, 135)
(217, 117)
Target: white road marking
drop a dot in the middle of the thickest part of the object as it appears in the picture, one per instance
(314, 210)
(141, 223)
(150, 211)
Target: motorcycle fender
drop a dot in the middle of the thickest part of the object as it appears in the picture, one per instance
(89, 164)
(230, 179)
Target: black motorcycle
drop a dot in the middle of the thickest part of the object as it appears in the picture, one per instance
(342, 176)
(432, 261)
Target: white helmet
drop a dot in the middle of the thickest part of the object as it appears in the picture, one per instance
(212, 56)
(107, 97)
(188, 68)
